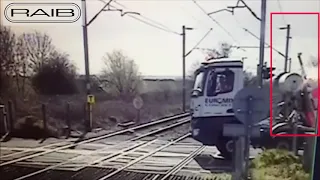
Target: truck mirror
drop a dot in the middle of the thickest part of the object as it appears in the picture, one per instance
(196, 92)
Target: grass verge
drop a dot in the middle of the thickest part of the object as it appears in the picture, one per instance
(277, 164)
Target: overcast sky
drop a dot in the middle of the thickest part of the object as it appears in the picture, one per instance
(159, 53)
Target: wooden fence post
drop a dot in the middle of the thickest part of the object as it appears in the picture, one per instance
(8, 122)
(68, 120)
(44, 118)
(85, 115)
(3, 120)
(308, 153)
(10, 117)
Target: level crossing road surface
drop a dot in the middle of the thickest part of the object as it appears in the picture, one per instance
(110, 158)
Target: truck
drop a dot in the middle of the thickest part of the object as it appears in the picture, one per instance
(216, 83)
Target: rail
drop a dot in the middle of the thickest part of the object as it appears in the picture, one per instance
(107, 136)
(114, 155)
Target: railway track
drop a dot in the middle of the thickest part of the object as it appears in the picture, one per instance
(144, 130)
(110, 157)
(166, 124)
(122, 171)
(112, 161)
(23, 151)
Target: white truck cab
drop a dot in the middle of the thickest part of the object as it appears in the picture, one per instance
(216, 83)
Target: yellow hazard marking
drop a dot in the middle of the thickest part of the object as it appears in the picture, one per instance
(91, 99)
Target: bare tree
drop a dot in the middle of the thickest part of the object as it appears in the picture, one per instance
(39, 48)
(249, 78)
(121, 74)
(7, 44)
(60, 60)
(224, 51)
(21, 67)
(13, 61)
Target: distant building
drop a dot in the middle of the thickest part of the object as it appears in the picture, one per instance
(150, 83)
(160, 83)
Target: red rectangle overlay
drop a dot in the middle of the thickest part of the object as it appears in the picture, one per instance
(318, 112)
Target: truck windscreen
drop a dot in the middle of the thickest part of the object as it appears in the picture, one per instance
(220, 82)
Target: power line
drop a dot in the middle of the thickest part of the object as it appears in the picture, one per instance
(193, 17)
(162, 26)
(195, 2)
(251, 33)
(150, 24)
(280, 8)
(203, 49)
(238, 22)
(199, 42)
(155, 22)
(101, 10)
(245, 5)
(251, 11)
(145, 22)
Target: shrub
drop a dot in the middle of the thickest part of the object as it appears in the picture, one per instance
(277, 164)
(56, 77)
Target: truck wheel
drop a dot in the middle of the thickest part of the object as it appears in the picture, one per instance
(225, 146)
(283, 143)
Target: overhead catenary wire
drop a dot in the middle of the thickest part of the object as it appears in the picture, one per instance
(189, 14)
(167, 28)
(199, 42)
(268, 45)
(224, 29)
(199, 22)
(101, 10)
(147, 23)
(245, 5)
(280, 8)
(238, 22)
(151, 23)
(204, 51)
(251, 11)
(250, 32)
(158, 24)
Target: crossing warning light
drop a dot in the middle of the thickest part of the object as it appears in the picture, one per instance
(267, 72)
